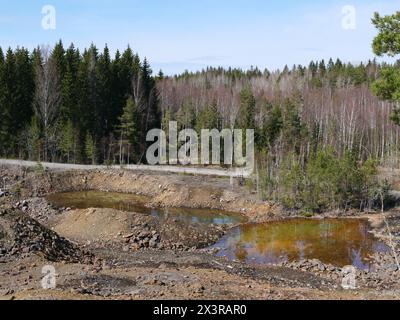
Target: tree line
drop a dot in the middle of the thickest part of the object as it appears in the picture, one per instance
(77, 107)
(321, 130)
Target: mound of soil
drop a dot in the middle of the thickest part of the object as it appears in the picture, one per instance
(20, 234)
(98, 224)
(134, 230)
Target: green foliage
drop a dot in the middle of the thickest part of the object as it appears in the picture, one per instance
(3, 111)
(329, 182)
(208, 118)
(39, 168)
(166, 119)
(387, 42)
(35, 139)
(129, 121)
(8, 101)
(272, 126)
(247, 110)
(68, 139)
(292, 183)
(388, 39)
(90, 147)
(186, 117)
(293, 130)
(128, 128)
(387, 87)
(93, 90)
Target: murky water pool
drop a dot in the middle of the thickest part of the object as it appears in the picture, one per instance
(336, 241)
(136, 203)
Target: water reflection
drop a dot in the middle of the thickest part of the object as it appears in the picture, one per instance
(136, 203)
(336, 241)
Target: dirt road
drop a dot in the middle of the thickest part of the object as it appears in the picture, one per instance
(234, 172)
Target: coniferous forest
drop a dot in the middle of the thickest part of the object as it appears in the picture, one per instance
(64, 105)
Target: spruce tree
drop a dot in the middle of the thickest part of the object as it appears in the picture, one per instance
(90, 148)
(3, 128)
(25, 89)
(69, 109)
(128, 128)
(9, 104)
(35, 139)
(58, 55)
(88, 94)
(209, 118)
(67, 141)
(104, 76)
(247, 109)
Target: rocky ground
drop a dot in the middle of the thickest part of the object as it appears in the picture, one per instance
(109, 254)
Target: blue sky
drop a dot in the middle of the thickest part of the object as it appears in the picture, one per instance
(183, 34)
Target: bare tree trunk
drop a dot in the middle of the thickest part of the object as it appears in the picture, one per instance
(48, 94)
(120, 148)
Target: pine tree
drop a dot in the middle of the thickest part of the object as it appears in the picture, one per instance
(24, 90)
(9, 103)
(118, 88)
(1, 58)
(67, 143)
(186, 116)
(160, 75)
(128, 72)
(3, 127)
(247, 109)
(387, 42)
(209, 118)
(128, 128)
(35, 139)
(58, 55)
(322, 68)
(272, 126)
(146, 99)
(69, 109)
(88, 94)
(104, 76)
(90, 148)
(331, 65)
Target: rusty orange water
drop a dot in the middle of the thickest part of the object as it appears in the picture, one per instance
(336, 241)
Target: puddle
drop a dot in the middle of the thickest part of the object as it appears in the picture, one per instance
(335, 241)
(136, 203)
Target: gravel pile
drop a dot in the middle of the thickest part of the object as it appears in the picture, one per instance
(144, 238)
(20, 234)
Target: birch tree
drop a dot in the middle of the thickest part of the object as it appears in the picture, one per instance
(47, 94)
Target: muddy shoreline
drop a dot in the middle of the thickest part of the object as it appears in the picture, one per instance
(164, 259)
